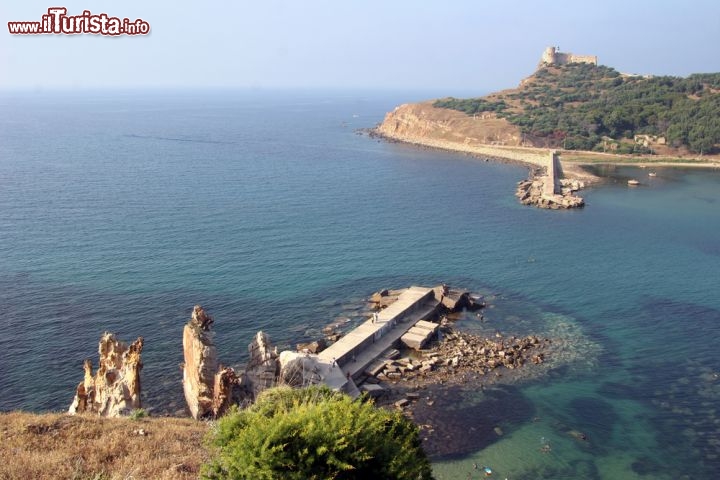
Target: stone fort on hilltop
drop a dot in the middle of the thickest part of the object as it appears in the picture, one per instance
(553, 56)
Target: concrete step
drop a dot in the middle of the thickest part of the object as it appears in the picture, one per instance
(420, 334)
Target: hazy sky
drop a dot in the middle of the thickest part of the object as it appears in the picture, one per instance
(413, 44)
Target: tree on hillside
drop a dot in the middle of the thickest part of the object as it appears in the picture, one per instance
(315, 433)
(589, 102)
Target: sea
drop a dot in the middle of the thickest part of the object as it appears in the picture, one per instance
(121, 210)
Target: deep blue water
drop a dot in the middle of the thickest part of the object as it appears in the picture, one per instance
(120, 211)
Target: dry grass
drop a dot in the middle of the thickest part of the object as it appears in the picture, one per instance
(52, 446)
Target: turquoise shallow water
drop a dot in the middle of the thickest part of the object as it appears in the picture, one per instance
(120, 211)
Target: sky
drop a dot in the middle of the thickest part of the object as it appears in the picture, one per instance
(457, 45)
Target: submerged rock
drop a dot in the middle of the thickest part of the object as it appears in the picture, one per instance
(114, 391)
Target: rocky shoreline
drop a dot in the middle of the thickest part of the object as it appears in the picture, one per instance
(529, 192)
(487, 153)
(415, 380)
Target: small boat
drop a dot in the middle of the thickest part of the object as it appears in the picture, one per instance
(633, 183)
(652, 174)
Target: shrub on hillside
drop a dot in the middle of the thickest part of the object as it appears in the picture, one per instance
(315, 433)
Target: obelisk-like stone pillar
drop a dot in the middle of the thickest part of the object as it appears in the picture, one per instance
(200, 365)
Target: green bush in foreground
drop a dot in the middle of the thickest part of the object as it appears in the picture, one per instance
(138, 413)
(315, 433)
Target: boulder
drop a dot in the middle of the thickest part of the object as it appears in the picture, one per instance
(312, 347)
(377, 297)
(299, 369)
(383, 298)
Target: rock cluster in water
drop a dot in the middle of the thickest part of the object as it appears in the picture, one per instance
(460, 353)
(532, 192)
(419, 386)
(114, 390)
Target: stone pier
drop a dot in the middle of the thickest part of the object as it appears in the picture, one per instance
(548, 191)
(350, 356)
(553, 175)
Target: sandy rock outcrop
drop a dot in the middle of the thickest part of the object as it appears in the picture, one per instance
(223, 386)
(114, 390)
(263, 368)
(201, 364)
(422, 122)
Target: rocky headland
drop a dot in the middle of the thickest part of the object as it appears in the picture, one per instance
(487, 138)
(591, 112)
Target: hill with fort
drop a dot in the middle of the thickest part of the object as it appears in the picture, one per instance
(572, 103)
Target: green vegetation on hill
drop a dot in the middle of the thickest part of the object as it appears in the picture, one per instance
(315, 433)
(576, 105)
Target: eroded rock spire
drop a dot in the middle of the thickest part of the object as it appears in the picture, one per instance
(115, 389)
